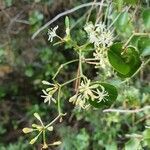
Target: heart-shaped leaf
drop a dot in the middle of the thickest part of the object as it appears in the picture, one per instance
(116, 60)
(125, 61)
(108, 100)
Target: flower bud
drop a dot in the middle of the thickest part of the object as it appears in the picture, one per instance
(27, 130)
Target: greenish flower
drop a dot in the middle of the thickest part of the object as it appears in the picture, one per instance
(49, 92)
(88, 91)
(41, 129)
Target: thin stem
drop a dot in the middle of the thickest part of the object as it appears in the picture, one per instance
(80, 63)
(142, 65)
(70, 81)
(134, 34)
(91, 62)
(65, 13)
(127, 111)
(63, 65)
(116, 19)
(55, 120)
(90, 11)
(44, 138)
(90, 59)
(99, 13)
(58, 100)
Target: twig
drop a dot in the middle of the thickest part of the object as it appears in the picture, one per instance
(63, 14)
(134, 34)
(141, 67)
(90, 11)
(127, 111)
(138, 136)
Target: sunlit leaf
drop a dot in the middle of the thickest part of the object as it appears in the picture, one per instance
(146, 135)
(125, 61)
(146, 18)
(133, 144)
(144, 46)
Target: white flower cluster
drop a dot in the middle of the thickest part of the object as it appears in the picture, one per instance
(88, 91)
(99, 35)
(103, 61)
(49, 92)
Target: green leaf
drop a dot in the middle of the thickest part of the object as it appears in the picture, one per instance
(146, 18)
(35, 17)
(119, 4)
(132, 144)
(67, 22)
(112, 92)
(8, 3)
(29, 71)
(144, 46)
(116, 60)
(111, 146)
(123, 25)
(146, 135)
(131, 2)
(125, 61)
(123, 20)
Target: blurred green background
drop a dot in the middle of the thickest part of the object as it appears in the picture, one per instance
(24, 63)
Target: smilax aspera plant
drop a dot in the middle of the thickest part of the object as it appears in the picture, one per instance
(104, 49)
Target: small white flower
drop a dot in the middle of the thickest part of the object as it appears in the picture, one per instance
(86, 89)
(49, 92)
(94, 39)
(102, 95)
(48, 97)
(100, 27)
(52, 33)
(106, 38)
(47, 83)
(86, 92)
(99, 35)
(89, 27)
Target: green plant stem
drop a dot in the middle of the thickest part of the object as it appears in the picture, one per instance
(70, 81)
(80, 63)
(142, 65)
(60, 115)
(63, 65)
(134, 34)
(58, 100)
(44, 137)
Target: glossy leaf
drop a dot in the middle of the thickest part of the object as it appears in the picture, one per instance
(122, 21)
(116, 60)
(125, 61)
(133, 144)
(112, 92)
(146, 135)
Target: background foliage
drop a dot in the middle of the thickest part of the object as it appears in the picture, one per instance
(24, 63)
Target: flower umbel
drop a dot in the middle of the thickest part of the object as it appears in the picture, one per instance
(41, 129)
(99, 35)
(49, 92)
(88, 91)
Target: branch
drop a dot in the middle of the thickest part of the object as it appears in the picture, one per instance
(65, 13)
(141, 67)
(127, 111)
